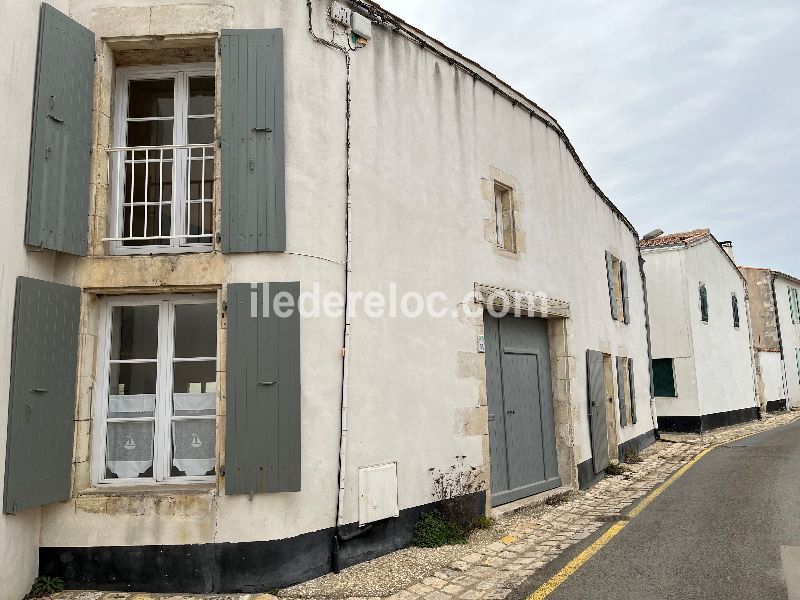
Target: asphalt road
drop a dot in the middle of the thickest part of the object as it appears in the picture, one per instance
(729, 528)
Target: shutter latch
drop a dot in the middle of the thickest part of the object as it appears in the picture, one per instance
(262, 129)
(39, 391)
(267, 382)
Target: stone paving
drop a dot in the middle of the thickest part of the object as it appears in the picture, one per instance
(519, 544)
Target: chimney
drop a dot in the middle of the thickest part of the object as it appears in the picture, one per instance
(728, 247)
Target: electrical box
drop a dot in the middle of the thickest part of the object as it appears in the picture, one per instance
(340, 14)
(377, 493)
(361, 26)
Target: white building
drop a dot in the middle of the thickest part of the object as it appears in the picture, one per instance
(775, 321)
(702, 357)
(162, 438)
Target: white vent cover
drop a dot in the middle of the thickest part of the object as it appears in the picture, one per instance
(377, 491)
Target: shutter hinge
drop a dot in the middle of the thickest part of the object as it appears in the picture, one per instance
(218, 236)
(219, 48)
(95, 56)
(222, 471)
(224, 306)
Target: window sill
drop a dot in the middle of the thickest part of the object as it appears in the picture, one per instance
(105, 489)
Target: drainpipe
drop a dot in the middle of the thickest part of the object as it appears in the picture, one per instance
(339, 535)
(649, 343)
(752, 352)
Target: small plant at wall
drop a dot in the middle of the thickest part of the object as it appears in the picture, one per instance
(632, 457)
(557, 499)
(432, 530)
(482, 522)
(46, 586)
(453, 490)
(614, 469)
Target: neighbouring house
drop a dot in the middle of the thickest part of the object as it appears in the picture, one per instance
(702, 353)
(775, 321)
(191, 167)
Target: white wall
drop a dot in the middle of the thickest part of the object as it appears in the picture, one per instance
(671, 333)
(723, 360)
(426, 140)
(771, 376)
(790, 337)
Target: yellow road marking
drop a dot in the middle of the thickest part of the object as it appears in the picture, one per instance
(576, 563)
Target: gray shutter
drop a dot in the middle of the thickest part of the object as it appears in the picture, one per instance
(623, 412)
(58, 173)
(623, 275)
(262, 432)
(633, 390)
(253, 204)
(41, 408)
(610, 276)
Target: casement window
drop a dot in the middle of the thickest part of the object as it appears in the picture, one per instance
(162, 162)
(617, 277)
(735, 308)
(504, 217)
(703, 303)
(794, 305)
(626, 390)
(797, 352)
(157, 390)
(664, 378)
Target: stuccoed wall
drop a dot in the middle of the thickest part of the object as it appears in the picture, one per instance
(668, 298)
(790, 337)
(722, 353)
(426, 142)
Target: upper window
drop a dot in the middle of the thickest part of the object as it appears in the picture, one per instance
(735, 308)
(157, 397)
(504, 217)
(162, 162)
(703, 303)
(617, 274)
(664, 378)
(794, 305)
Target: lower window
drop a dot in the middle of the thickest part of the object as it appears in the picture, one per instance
(158, 390)
(664, 378)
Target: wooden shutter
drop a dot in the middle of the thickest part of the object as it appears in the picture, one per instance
(610, 276)
(262, 432)
(735, 307)
(793, 304)
(798, 363)
(58, 174)
(41, 410)
(703, 303)
(623, 412)
(633, 390)
(253, 204)
(623, 275)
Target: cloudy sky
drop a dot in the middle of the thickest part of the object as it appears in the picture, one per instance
(687, 114)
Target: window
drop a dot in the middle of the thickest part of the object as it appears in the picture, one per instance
(617, 275)
(797, 352)
(703, 303)
(504, 217)
(626, 391)
(735, 308)
(162, 162)
(794, 305)
(664, 378)
(158, 392)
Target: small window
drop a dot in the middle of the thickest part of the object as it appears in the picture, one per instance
(794, 305)
(735, 307)
(617, 274)
(504, 217)
(703, 303)
(159, 394)
(664, 378)
(798, 362)
(162, 162)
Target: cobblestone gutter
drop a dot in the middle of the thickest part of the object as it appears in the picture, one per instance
(495, 561)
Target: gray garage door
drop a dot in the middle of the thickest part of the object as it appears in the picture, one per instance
(522, 439)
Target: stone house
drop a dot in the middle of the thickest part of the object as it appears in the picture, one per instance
(703, 373)
(775, 321)
(193, 167)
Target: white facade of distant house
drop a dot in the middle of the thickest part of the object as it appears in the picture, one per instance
(457, 183)
(702, 359)
(787, 297)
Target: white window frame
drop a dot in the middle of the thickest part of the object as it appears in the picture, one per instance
(163, 409)
(181, 74)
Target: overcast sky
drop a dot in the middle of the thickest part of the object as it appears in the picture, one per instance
(687, 114)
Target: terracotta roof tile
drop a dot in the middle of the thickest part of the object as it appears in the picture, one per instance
(672, 239)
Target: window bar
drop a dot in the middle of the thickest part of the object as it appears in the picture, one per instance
(146, 174)
(187, 218)
(133, 181)
(203, 193)
(160, 191)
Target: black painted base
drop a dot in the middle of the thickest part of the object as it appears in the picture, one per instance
(586, 475)
(776, 405)
(699, 424)
(233, 567)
